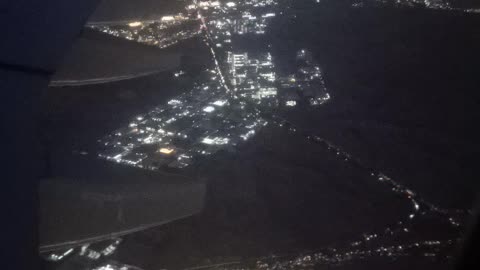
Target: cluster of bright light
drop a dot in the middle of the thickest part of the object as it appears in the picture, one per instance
(209, 4)
(106, 267)
(291, 103)
(249, 23)
(306, 83)
(257, 85)
(215, 140)
(209, 109)
(432, 4)
(57, 257)
(220, 103)
(174, 102)
(167, 18)
(247, 135)
(265, 93)
(110, 266)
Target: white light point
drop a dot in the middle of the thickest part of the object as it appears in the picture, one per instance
(209, 109)
(167, 18)
(291, 103)
(174, 102)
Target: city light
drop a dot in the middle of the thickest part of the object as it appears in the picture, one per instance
(220, 103)
(216, 140)
(153, 32)
(174, 102)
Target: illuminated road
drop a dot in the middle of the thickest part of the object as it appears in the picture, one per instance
(209, 42)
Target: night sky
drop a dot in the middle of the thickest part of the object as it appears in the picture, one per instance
(112, 10)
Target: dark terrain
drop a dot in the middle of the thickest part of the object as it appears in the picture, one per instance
(404, 89)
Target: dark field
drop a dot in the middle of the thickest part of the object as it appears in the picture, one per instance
(404, 88)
